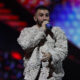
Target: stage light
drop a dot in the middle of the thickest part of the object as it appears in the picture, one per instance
(16, 55)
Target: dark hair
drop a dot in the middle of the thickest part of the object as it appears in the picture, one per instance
(41, 7)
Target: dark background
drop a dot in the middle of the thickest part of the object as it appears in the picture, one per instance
(13, 18)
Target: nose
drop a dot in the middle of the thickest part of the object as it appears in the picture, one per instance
(44, 17)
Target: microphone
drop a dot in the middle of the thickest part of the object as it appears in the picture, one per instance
(48, 26)
(48, 31)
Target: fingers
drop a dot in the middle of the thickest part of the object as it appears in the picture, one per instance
(43, 52)
(44, 24)
(45, 57)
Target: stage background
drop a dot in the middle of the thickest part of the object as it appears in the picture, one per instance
(17, 14)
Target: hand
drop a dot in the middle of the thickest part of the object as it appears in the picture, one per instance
(44, 25)
(46, 56)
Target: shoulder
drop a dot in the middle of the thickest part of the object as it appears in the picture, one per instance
(57, 29)
(27, 29)
(58, 32)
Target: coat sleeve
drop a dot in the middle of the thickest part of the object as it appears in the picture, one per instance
(60, 49)
(29, 38)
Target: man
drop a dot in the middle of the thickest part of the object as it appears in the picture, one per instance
(47, 48)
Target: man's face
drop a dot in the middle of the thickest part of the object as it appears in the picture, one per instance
(40, 16)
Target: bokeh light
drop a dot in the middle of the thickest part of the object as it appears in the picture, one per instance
(64, 13)
(68, 18)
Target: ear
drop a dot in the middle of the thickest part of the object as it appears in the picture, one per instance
(35, 19)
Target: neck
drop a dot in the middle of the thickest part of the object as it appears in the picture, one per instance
(38, 26)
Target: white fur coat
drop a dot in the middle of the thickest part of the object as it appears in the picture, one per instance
(57, 47)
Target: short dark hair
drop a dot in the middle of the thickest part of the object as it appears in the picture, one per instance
(41, 7)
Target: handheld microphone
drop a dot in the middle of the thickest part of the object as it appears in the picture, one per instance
(48, 26)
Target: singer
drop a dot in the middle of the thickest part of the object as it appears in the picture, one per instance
(45, 48)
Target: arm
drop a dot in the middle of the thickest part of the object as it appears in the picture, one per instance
(59, 51)
(29, 38)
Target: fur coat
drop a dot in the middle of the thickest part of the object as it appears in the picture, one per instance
(56, 45)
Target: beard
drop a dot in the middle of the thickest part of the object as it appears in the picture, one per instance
(39, 22)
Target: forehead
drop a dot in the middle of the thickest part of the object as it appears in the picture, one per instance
(42, 11)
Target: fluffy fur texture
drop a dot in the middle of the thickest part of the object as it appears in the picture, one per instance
(56, 46)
